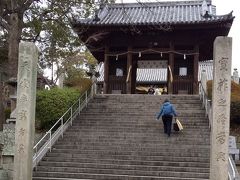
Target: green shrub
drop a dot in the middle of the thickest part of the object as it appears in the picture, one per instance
(235, 100)
(82, 84)
(51, 104)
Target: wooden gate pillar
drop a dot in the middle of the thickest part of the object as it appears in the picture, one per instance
(195, 70)
(134, 76)
(129, 71)
(106, 71)
(171, 69)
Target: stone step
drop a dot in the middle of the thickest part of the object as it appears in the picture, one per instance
(100, 165)
(128, 152)
(129, 122)
(117, 178)
(116, 129)
(69, 139)
(134, 140)
(141, 111)
(146, 114)
(141, 106)
(86, 121)
(131, 143)
(139, 123)
(190, 118)
(145, 103)
(126, 162)
(125, 106)
(147, 99)
(80, 173)
(133, 137)
(134, 127)
(85, 176)
(117, 137)
(111, 168)
(127, 157)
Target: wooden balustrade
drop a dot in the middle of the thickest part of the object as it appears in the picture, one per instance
(117, 83)
(183, 85)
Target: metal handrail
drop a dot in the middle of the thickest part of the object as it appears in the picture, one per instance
(48, 140)
(232, 171)
(206, 103)
(233, 175)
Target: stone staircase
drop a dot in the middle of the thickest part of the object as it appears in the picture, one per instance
(117, 138)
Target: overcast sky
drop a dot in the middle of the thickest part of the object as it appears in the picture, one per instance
(223, 7)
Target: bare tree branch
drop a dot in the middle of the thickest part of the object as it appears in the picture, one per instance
(95, 37)
(28, 3)
(4, 24)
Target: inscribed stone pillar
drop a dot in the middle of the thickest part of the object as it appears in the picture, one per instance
(222, 56)
(26, 101)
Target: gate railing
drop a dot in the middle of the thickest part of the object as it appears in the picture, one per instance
(206, 103)
(57, 130)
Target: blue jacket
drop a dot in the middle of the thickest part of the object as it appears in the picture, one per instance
(167, 109)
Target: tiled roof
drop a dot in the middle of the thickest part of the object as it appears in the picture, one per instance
(152, 75)
(146, 13)
(160, 75)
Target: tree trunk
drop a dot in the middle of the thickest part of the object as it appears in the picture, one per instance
(1, 105)
(14, 36)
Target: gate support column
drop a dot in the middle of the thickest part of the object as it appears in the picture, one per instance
(195, 70)
(129, 71)
(106, 71)
(171, 70)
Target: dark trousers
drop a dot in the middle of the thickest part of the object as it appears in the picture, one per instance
(167, 123)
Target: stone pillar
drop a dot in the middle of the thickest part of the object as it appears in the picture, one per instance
(204, 80)
(61, 80)
(222, 58)
(26, 102)
(1, 148)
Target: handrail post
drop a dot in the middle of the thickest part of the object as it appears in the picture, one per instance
(62, 127)
(71, 115)
(232, 167)
(86, 98)
(203, 99)
(206, 106)
(79, 106)
(50, 141)
(36, 154)
(92, 89)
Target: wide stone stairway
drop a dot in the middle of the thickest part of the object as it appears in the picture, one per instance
(117, 138)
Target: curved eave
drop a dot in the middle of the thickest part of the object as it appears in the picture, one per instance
(210, 19)
(85, 28)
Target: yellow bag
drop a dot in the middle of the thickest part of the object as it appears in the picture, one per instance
(180, 126)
